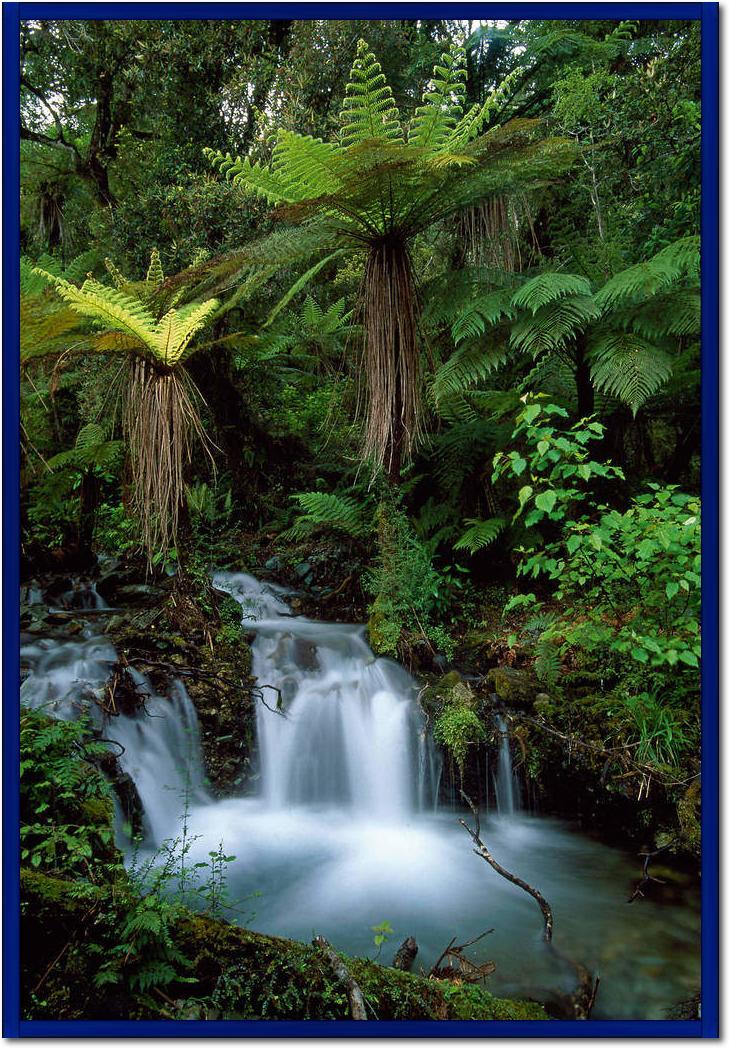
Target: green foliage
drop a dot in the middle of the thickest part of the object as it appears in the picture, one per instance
(404, 583)
(458, 725)
(65, 804)
(91, 451)
(630, 579)
(383, 931)
(479, 534)
(124, 315)
(343, 513)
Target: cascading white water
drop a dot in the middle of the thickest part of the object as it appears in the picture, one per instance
(159, 745)
(343, 834)
(506, 786)
(346, 730)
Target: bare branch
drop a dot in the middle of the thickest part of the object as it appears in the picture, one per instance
(482, 850)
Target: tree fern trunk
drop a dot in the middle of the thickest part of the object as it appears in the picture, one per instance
(583, 381)
(392, 371)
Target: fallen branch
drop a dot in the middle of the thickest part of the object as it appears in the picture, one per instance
(344, 976)
(467, 969)
(647, 877)
(482, 850)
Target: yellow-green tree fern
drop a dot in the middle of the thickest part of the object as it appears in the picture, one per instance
(373, 189)
(160, 416)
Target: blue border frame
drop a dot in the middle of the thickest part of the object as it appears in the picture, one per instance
(708, 1026)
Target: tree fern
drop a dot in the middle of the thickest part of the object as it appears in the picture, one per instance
(160, 417)
(166, 340)
(373, 189)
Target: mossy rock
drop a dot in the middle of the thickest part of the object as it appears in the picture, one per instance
(239, 974)
(512, 686)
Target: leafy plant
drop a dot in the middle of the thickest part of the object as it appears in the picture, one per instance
(631, 578)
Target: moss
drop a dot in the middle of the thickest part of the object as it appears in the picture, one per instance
(248, 975)
(514, 687)
(238, 973)
(688, 810)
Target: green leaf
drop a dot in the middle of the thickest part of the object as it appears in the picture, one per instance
(518, 464)
(671, 590)
(546, 501)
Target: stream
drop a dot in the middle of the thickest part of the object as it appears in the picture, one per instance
(345, 832)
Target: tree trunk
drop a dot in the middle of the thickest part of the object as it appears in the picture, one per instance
(583, 381)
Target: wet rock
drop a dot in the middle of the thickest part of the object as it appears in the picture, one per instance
(513, 687)
(305, 655)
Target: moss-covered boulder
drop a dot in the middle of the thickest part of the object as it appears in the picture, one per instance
(512, 686)
(238, 974)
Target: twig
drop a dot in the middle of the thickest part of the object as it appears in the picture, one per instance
(647, 877)
(483, 851)
(344, 976)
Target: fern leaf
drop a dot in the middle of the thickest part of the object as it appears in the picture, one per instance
(479, 534)
(369, 110)
(680, 260)
(442, 102)
(483, 312)
(468, 365)
(479, 115)
(324, 510)
(554, 324)
(628, 367)
(105, 306)
(155, 276)
(547, 287)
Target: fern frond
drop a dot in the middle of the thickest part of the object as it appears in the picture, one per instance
(155, 276)
(369, 110)
(547, 287)
(468, 365)
(177, 328)
(90, 450)
(108, 307)
(484, 311)
(547, 664)
(680, 260)
(442, 103)
(480, 533)
(628, 367)
(479, 115)
(118, 278)
(554, 324)
(324, 510)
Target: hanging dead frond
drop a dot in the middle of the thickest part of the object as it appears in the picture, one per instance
(491, 231)
(161, 421)
(392, 365)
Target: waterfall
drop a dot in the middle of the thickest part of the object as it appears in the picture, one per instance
(160, 743)
(505, 784)
(343, 833)
(337, 726)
